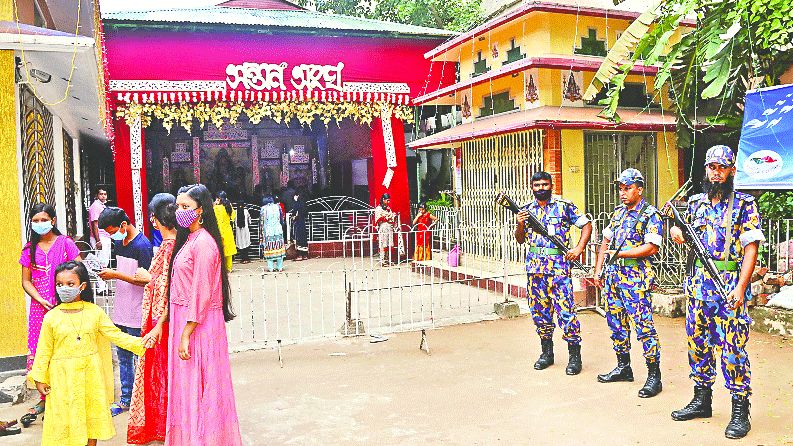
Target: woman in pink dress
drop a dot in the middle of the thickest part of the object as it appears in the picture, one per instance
(201, 407)
(46, 250)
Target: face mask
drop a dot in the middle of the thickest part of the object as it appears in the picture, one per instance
(186, 217)
(118, 235)
(542, 194)
(41, 227)
(68, 293)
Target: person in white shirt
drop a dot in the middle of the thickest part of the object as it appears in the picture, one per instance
(100, 239)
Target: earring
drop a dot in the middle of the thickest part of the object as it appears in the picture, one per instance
(201, 220)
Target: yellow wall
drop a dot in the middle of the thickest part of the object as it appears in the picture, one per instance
(573, 166)
(13, 312)
(668, 178)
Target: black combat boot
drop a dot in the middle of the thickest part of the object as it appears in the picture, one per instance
(739, 424)
(699, 407)
(546, 357)
(574, 363)
(653, 384)
(622, 372)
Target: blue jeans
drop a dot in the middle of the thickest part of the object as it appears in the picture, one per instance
(126, 366)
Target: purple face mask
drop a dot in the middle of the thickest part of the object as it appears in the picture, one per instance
(186, 217)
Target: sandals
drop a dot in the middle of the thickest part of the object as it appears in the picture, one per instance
(9, 428)
(117, 409)
(32, 415)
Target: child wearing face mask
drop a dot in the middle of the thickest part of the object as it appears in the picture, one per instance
(73, 362)
(46, 250)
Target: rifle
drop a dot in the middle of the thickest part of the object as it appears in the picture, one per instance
(537, 226)
(696, 246)
(609, 259)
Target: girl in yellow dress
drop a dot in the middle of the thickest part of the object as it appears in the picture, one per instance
(73, 362)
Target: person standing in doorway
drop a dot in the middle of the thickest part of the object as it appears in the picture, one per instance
(631, 238)
(728, 224)
(226, 215)
(46, 250)
(133, 251)
(100, 239)
(201, 406)
(550, 287)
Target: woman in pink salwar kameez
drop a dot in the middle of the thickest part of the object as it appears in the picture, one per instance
(201, 407)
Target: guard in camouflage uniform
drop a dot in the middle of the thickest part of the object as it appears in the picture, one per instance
(729, 226)
(550, 287)
(633, 235)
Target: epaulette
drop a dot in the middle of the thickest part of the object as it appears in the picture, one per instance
(744, 196)
(565, 201)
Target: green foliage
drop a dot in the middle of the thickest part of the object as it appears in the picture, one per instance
(444, 201)
(455, 16)
(736, 45)
(775, 205)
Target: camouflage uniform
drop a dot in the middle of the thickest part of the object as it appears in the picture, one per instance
(550, 288)
(709, 320)
(628, 281)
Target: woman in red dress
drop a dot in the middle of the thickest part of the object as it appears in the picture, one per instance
(149, 406)
(421, 225)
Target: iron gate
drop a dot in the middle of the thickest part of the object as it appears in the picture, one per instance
(608, 154)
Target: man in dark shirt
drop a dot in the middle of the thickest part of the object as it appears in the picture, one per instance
(133, 250)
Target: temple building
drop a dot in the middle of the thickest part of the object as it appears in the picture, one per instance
(250, 96)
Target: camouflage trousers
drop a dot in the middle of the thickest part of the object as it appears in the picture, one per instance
(549, 294)
(623, 305)
(713, 329)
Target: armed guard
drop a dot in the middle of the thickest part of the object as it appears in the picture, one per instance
(728, 224)
(550, 287)
(633, 235)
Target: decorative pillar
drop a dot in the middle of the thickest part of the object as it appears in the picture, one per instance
(130, 170)
(389, 164)
(196, 159)
(552, 157)
(59, 173)
(79, 193)
(254, 161)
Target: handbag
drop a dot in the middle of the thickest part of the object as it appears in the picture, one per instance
(291, 251)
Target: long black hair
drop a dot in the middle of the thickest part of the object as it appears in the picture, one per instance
(35, 238)
(78, 268)
(241, 223)
(224, 200)
(201, 195)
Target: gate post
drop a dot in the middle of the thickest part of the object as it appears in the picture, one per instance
(351, 327)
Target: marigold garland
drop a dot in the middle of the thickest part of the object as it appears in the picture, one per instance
(220, 113)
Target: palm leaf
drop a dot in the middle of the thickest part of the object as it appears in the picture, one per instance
(620, 52)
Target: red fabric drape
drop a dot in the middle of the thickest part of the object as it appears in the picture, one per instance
(398, 189)
(123, 170)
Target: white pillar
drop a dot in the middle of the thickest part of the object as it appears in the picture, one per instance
(136, 163)
(78, 189)
(60, 183)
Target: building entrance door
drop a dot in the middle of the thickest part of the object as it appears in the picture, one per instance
(608, 154)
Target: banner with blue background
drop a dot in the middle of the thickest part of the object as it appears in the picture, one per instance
(765, 152)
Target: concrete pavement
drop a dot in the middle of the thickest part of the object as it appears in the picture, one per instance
(477, 387)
